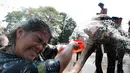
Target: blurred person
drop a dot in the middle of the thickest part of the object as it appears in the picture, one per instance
(3, 40)
(103, 10)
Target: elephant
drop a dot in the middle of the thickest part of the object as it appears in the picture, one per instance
(102, 29)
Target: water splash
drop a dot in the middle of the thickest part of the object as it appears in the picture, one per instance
(106, 26)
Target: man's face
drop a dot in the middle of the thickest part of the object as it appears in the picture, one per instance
(29, 45)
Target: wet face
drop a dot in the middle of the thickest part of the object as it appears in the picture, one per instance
(30, 44)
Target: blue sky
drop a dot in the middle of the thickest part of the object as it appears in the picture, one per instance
(79, 10)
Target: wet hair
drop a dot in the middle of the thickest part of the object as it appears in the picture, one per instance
(31, 25)
(101, 4)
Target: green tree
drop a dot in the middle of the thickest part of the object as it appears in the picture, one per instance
(68, 26)
(13, 18)
(58, 22)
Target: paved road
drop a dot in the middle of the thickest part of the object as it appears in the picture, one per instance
(89, 66)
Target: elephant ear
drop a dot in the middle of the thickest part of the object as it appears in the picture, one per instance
(78, 34)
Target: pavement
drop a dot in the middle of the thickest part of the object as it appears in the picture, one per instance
(89, 66)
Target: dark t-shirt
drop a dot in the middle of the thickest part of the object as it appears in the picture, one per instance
(12, 64)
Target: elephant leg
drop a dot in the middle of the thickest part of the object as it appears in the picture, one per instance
(111, 54)
(98, 59)
(78, 55)
(85, 54)
(120, 60)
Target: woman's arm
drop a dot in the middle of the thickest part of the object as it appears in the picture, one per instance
(84, 56)
(64, 56)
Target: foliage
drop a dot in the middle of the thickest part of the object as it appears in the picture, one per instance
(60, 24)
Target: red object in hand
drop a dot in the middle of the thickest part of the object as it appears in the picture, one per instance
(81, 46)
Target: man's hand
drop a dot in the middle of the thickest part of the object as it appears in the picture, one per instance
(74, 45)
(60, 47)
